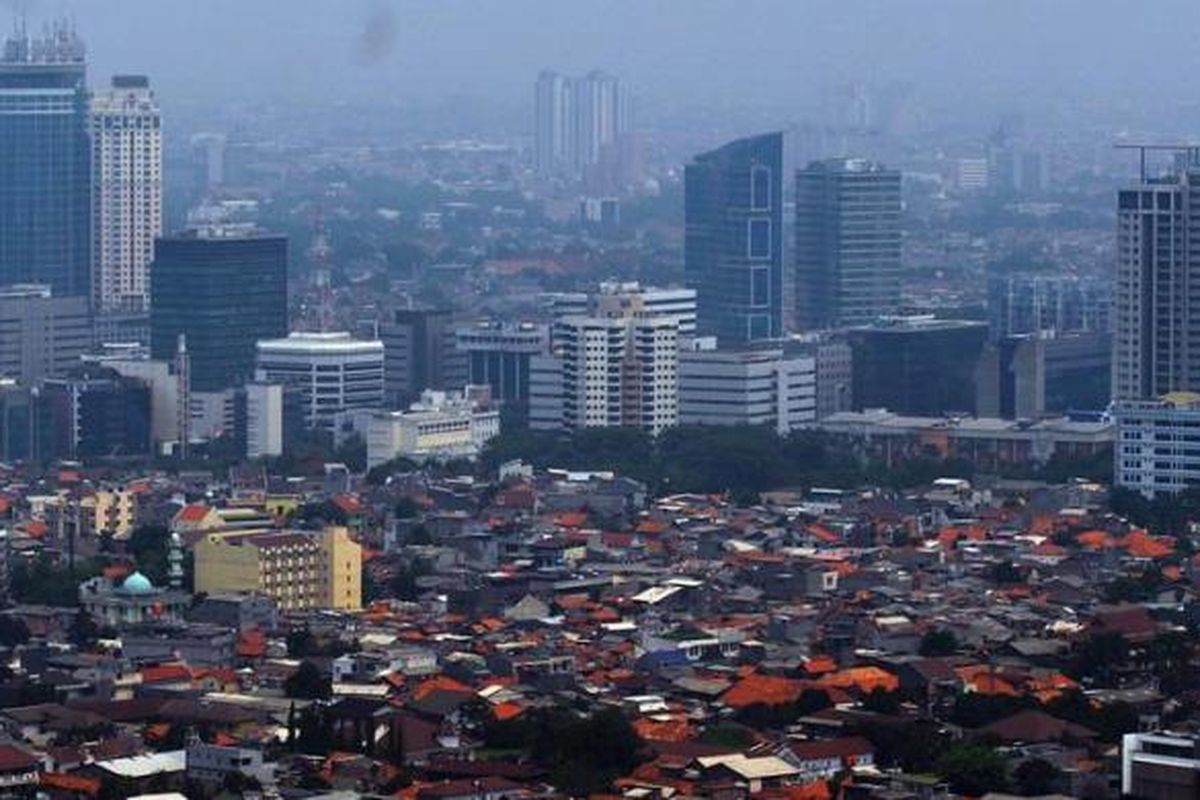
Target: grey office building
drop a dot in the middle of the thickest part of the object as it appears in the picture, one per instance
(225, 289)
(41, 336)
(45, 163)
(733, 246)
(419, 353)
(848, 239)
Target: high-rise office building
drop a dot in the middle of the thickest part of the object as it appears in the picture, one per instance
(331, 373)
(733, 247)
(616, 298)
(498, 356)
(847, 259)
(419, 354)
(126, 192)
(224, 288)
(578, 121)
(1156, 317)
(45, 163)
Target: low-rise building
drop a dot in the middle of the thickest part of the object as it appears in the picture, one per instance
(746, 387)
(132, 601)
(297, 569)
(441, 426)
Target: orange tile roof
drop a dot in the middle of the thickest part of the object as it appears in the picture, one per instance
(507, 711)
(438, 683)
(675, 730)
(864, 679)
(166, 673)
(70, 783)
(1096, 540)
(571, 519)
(818, 665)
(1142, 545)
(767, 689)
(193, 513)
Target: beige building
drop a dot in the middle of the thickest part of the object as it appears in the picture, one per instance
(297, 569)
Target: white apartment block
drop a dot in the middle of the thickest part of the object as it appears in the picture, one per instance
(1158, 443)
(441, 425)
(610, 372)
(331, 372)
(623, 299)
(127, 183)
(747, 387)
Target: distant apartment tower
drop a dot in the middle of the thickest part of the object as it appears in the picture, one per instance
(45, 163)
(554, 136)
(848, 243)
(330, 372)
(747, 387)
(1024, 303)
(733, 246)
(224, 288)
(617, 371)
(1156, 315)
(126, 130)
(577, 120)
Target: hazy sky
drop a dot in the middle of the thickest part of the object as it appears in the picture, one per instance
(694, 51)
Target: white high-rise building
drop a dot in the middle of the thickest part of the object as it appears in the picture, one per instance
(1156, 314)
(331, 372)
(619, 371)
(126, 133)
(619, 299)
(747, 387)
(575, 119)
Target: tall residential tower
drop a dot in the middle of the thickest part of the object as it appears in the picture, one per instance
(126, 133)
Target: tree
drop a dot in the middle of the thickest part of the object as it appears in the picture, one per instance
(83, 631)
(13, 631)
(1037, 777)
(973, 769)
(938, 642)
(308, 683)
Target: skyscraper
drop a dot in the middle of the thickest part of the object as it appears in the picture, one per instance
(578, 121)
(1156, 319)
(127, 192)
(847, 269)
(733, 246)
(45, 163)
(554, 145)
(225, 288)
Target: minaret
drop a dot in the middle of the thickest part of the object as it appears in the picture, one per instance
(183, 397)
(175, 561)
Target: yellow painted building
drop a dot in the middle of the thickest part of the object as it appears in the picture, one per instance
(297, 569)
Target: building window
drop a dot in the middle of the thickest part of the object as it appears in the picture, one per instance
(759, 238)
(760, 188)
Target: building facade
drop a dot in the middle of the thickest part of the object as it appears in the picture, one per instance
(1034, 303)
(620, 299)
(1031, 376)
(1155, 319)
(747, 387)
(733, 241)
(420, 353)
(330, 372)
(917, 365)
(41, 335)
(1158, 443)
(608, 372)
(297, 569)
(1160, 766)
(45, 163)
(578, 121)
(441, 426)
(127, 184)
(498, 356)
(224, 288)
(848, 243)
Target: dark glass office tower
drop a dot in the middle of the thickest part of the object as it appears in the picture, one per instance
(224, 288)
(45, 163)
(847, 243)
(733, 247)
